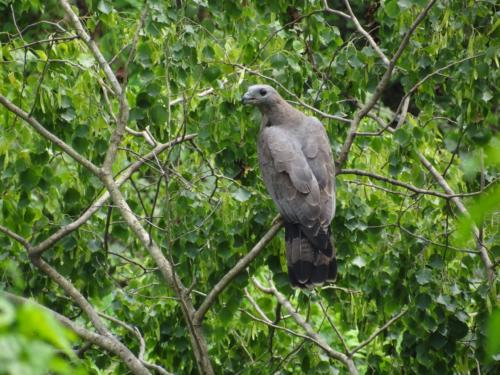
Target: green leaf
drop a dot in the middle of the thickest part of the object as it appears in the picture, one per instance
(493, 338)
(391, 8)
(424, 276)
(104, 7)
(241, 195)
(29, 179)
(7, 313)
(159, 115)
(359, 262)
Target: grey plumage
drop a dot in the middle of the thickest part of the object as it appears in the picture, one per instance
(297, 167)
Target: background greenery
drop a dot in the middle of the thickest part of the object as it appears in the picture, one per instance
(397, 250)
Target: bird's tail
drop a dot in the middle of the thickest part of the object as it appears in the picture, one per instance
(309, 262)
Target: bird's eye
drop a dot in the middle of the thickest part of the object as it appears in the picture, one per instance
(262, 92)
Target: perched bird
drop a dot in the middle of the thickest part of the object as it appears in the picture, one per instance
(297, 167)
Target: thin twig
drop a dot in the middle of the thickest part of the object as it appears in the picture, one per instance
(378, 331)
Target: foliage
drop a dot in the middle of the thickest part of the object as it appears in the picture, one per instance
(30, 340)
(203, 201)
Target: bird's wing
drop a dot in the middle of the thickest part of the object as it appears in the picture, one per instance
(317, 150)
(289, 177)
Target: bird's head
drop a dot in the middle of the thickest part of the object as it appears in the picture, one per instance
(261, 96)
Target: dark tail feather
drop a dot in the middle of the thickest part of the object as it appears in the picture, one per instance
(299, 254)
(308, 265)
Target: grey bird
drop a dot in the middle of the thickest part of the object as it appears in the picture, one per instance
(297, 166)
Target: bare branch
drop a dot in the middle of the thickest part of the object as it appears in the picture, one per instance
(366, 34)
(122, 178)
(256, 306)
(287, 330)
(233, 272)
(92, 46)
(51, 40)
(165, 266)
(144, 133)
(436, 72)
(405, 185)
(334, 327)
(378, 331)
(123, 113)
(201, 94)
(48, 135)
(73, 293)
(377, 187)
(334, 11)
(142, 345)
(346, 360)
(15, 22)
(130, 360)
(483, 252)
(15, 237)
(362, 112)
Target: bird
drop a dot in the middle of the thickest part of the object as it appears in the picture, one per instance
(298, 170)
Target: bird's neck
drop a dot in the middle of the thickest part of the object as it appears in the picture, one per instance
(280, 113)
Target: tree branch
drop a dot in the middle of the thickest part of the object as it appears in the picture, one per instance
(196, 335)
(334, 11)
(366, 34)
(122, 178)
(233, 272)
(483, 252)
(378, 332)
(405, 185)
(15, 237)
(142, 345)
(344, 359)
(123, 112)
(92, 46)
(363, 111)
(48, 135)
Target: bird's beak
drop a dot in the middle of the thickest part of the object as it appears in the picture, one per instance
(247, 98)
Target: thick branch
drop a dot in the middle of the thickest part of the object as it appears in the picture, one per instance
(15, 237)
(121, 350)
(73, 293)
(198, 342)
(233, 272)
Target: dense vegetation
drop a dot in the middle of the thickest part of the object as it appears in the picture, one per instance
(182, 269)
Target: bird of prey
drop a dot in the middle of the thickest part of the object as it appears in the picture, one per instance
(296, 163)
